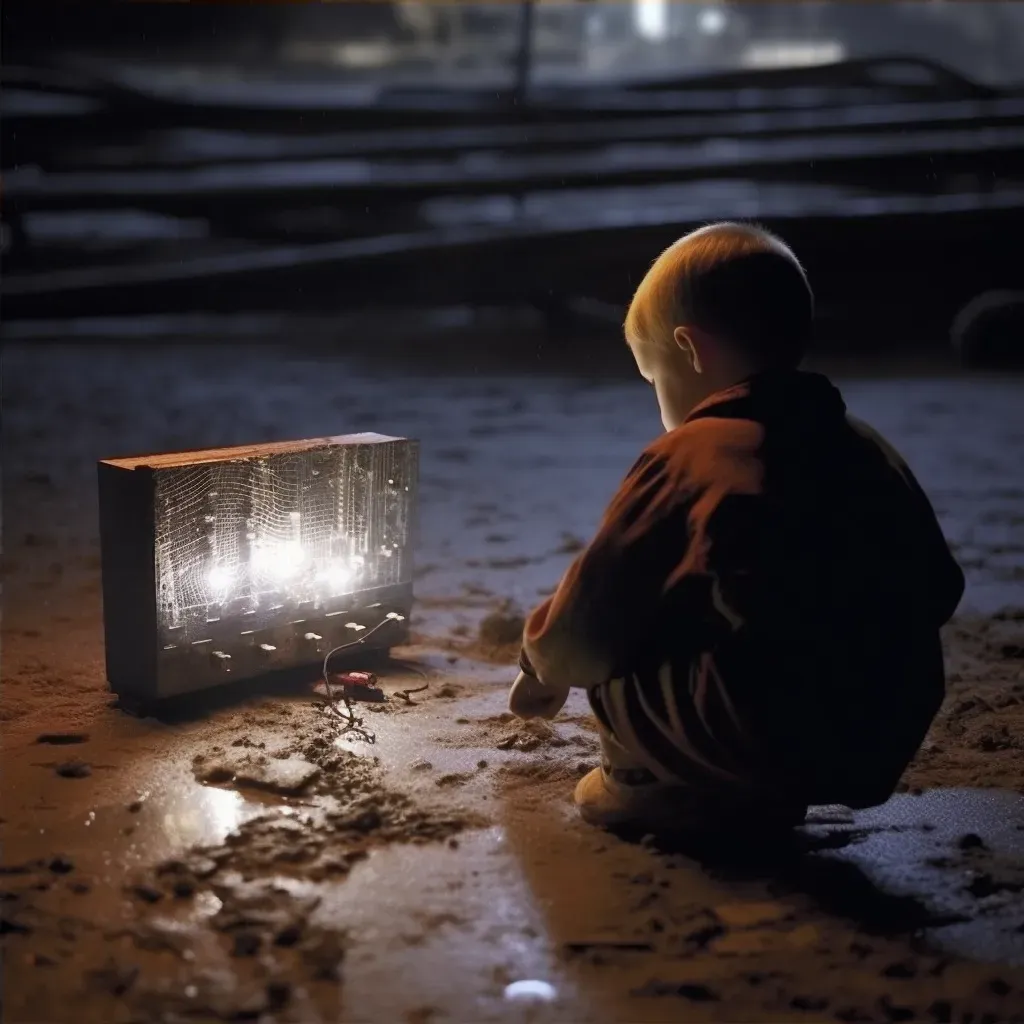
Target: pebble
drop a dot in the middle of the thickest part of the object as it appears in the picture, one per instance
(971, 841)
(147, 893)
(74, 770)
(61, 865)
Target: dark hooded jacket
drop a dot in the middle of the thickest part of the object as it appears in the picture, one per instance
(766, 590)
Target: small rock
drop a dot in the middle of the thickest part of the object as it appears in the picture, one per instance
(971, 841)
(367, 821)
(61, 865)
(453, 844)
(481, 764)
(74, 770)
(420, 765)
(80, 886)
(147, 893)
(62, 739)
(288, 936)
(134, 807)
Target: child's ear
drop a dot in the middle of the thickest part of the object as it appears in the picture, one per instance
(683, 337)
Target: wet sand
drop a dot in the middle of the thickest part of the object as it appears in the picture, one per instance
(427, 876)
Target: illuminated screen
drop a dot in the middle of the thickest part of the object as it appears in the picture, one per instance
(249, 539)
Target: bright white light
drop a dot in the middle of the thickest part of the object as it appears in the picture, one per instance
(791, 55)
(280, 562)
(651, 18)
(220, 578)
(711, 21)
(533, 990)
(336, 575)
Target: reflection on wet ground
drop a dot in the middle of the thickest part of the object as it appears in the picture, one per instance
(524, 911)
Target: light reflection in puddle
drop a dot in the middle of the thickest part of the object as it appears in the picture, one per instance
(536, 991)
(204, 814)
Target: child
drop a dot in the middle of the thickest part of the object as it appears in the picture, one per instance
(756, 622)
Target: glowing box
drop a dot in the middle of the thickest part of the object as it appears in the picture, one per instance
(231, 563)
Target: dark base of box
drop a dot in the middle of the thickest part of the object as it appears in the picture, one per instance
(376, 619)
(286, 683)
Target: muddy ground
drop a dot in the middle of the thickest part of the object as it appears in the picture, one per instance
(254, 861)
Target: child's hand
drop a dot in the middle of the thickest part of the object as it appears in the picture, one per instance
(530, 698)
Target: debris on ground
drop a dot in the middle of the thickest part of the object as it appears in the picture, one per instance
(284, 775)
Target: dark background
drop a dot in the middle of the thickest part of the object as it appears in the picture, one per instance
(317, 159)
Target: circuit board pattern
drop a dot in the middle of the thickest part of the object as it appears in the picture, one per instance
(259, 539)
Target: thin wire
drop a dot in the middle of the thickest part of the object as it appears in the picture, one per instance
(353, 722)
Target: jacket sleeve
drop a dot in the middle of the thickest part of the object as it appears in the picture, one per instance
(583, 633)
(941, 579)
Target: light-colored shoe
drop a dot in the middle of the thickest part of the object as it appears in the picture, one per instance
(659, 807)
(607, 804)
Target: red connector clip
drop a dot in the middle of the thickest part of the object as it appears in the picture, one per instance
(359, 686)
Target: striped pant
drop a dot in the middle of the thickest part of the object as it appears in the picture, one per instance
(633, 770)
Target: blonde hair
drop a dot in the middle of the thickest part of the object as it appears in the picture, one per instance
(736, 281)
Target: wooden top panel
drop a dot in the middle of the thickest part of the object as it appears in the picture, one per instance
(170, 460)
